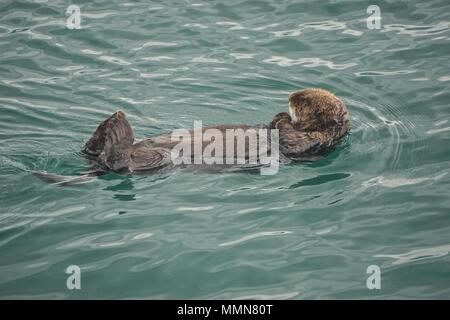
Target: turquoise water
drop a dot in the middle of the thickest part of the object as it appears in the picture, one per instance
(309, 231)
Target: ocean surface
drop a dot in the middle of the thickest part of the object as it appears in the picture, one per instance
(309, 232)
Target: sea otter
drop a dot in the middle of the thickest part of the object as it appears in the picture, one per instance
(113, 147)
(317, 122)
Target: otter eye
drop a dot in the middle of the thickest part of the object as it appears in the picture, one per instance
(317, 113)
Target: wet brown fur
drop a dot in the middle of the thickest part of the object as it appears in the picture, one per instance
(319, 120)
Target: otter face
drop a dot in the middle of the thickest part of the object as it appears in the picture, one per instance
(317, 110)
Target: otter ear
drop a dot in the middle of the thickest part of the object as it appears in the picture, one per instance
(114, 131)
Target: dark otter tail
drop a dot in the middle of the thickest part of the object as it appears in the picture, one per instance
(113, 132)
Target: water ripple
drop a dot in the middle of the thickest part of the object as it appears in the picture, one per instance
(418, 30)
(417, 254)
(308, 62)
(254, 236)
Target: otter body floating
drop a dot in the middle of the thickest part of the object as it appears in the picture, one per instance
(318, 120)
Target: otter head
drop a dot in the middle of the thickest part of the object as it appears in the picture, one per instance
(318, 110)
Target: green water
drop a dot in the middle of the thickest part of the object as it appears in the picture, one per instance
(309, 231)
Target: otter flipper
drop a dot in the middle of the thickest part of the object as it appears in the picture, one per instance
(113, 132)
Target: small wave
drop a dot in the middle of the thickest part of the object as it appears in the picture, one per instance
(417, 30)
(249, 210)
(115, 60)
(308, 62)
(105, 240)
(384, 73)
(157, 58)
(155, 44)
(89, 51)
(327, 25)
(280, 296)
(203, 59)
(195, 25)
(254, 236)
(232, 25)
(153, 74)
(398, 182)
(417, 255)
(444, 78)
(242, 55)
(98, 15)
(433, 131)
(196, 209)
(438, 130)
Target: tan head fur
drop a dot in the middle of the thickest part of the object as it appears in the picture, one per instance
(318, 110)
